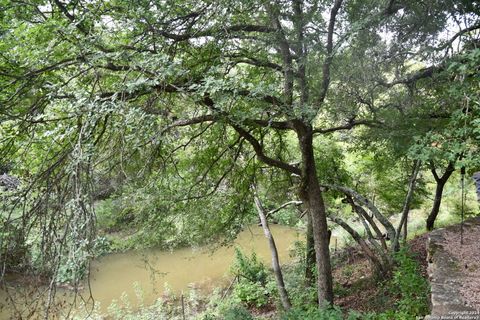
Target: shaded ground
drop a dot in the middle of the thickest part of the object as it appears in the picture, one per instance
(418, 246)
(454, 270)
(357, 289)
(467, 255)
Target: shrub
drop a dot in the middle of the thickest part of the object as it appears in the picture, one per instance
(237, 313)
(253, 287)
(251, 293)
(413, 288)
(249, 268)
(314, 313)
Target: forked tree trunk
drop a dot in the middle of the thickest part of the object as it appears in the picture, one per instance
(441, 181)
(275, 260)
(379, 266)
(365, 217)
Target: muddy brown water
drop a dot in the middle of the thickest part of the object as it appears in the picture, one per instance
(118, 276)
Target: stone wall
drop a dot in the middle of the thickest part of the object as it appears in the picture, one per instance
(447, 277)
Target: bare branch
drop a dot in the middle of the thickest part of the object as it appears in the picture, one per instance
(294, 202)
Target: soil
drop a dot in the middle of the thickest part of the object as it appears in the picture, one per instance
(354, 283)
(466, 256)
(418, 247)
(359, 290)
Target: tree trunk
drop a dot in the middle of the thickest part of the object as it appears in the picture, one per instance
(380, 268)
(441, 181)
(275, 260)
(390, 229)
(406, 206)
(310, 254)
(311, 195)
(436, 205)
(366, 217)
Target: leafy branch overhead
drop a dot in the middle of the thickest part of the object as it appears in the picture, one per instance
(193, 101)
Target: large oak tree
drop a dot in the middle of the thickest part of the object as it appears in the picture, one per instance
(242, 75)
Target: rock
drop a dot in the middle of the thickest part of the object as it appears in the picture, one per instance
(448, 277)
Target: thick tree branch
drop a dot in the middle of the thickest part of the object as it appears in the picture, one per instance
(281, 125)
(366, 217)
(329, 54)
(348, 126)
(213, 32)
(368, 204)
(189, 122)
(261, 154)
(406, 205)
(448, 171)
(273, 250)
(434, 171)
(284, 50)
(414, 77)
(358, 238)
(457, 35)
(258, 63)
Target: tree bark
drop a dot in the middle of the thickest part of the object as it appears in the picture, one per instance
(380, 268)
(406, 206)
(311, 195)
(275, 260)
(363, 214)
(441, 181)
(390, 229)
(310, 254)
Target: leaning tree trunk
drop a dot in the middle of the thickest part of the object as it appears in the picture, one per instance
(361, 200)
(441, 181)
(406, 206)
(379, 266)
(275, 260)
(311, 195)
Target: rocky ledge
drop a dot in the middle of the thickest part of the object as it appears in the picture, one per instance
(453, 270)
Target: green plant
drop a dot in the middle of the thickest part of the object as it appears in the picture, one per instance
(314, 313)
(13, 247)
(250, 268)
(253, 286)
(102, 246)
(237, 313)
(252, 293)
(409, 283)
(348, 271)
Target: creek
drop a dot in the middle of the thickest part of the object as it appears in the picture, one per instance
(153, 272)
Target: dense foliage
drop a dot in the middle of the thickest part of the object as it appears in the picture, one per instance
(156, 118)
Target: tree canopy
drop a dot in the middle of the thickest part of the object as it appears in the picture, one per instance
(202, 98)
